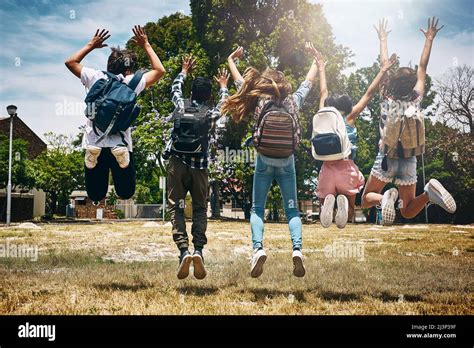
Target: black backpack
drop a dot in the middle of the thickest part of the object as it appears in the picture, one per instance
(190, 133)
(112, 105)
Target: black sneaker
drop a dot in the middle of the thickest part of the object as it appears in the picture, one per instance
(184, 262)
(198, 261)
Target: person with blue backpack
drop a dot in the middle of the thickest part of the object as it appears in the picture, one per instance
(194, 121)
(266, 98)
(334, 142)
(111, 108)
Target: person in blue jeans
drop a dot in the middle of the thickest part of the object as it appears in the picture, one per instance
(254, 90)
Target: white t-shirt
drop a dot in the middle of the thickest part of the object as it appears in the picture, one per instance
(88, 78)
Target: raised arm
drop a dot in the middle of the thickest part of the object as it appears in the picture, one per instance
(321, 64)
(177, 86)
(158, 70)
(73, 63)
(383, 33)
(236, 75)
(430, 34)
(221, 78)
(313, 70)
(357, 109)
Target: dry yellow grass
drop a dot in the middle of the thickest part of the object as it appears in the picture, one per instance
(126, 268)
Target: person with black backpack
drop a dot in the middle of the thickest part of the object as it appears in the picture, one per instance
(111, 108)
(187, 154)
(266, 98)
(402, 138)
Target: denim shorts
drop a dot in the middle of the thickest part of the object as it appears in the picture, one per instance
(401, 171)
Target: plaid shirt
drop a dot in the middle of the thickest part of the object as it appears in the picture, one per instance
(214, 114)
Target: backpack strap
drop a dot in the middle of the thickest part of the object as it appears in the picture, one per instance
(136, 79)
(110, 75)
(111, 124)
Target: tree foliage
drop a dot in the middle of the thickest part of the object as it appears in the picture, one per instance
(58, 171)
(22, 176)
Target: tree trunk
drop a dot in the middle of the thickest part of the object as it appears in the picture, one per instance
(53, 200)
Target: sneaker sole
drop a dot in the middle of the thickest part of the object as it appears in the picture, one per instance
(389, 213)
(183, 270)
(326, 216)
(199, 270)
(342, 211)
(448, 200)
(298, 269)
(257, 270)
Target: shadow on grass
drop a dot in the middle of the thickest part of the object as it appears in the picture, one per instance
(384, 296)
(122, 286)
(261, 294)
(339, 296)
(197, 290)
(388, 297)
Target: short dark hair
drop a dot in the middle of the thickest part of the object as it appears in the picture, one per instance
(201, 89)
(342, 102)
(121, 60)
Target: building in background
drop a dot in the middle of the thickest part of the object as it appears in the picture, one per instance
(30, 204)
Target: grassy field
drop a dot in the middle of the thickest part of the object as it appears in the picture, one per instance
(130, 268)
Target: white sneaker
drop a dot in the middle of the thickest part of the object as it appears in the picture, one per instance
(258, 260)
(122, 156)
(92, 153)
(298, 267)
(437, 194)
(342, 213)
(327, 211)
(388, 206)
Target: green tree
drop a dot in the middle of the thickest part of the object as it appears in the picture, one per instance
(22, 176)
(58, 171)
(273, 33)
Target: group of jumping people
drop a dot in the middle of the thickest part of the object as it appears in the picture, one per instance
(265, 99)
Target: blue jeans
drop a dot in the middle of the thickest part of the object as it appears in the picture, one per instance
(285, 176)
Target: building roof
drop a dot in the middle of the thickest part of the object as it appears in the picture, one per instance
(22, 131)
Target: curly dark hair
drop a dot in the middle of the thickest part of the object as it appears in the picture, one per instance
(400, 84)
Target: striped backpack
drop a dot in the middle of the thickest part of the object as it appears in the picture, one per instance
(277, 131)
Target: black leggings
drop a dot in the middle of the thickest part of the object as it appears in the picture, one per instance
(97, 179)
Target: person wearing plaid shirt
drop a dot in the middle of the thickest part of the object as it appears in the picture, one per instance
(189, 173)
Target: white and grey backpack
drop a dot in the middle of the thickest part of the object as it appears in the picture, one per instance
(330, 141)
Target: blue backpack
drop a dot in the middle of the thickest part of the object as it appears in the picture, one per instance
(112, 105)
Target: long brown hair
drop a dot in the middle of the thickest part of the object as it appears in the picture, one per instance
(270, 83)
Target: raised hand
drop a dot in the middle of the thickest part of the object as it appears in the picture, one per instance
(188, 63)
(140, 38)
(382, 29)
(433, 29)
(238, 53)
(222, 77)
(388, 63)
(318, 57)
(98, 39)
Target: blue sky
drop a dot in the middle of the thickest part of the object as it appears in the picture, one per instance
(37, 36)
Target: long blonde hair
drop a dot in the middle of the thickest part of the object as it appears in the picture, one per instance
(269, 83)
